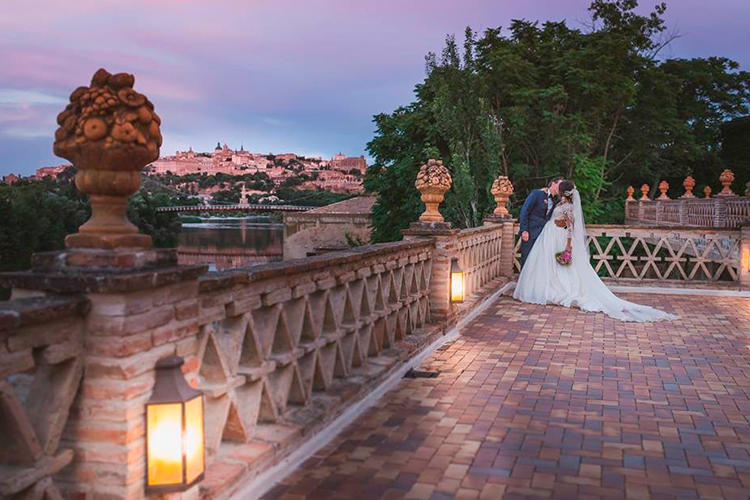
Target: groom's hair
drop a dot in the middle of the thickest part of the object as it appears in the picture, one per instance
(555, 179)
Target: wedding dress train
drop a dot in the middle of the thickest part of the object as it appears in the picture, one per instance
(544, 281)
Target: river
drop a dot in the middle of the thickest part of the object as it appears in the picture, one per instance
(224, 243)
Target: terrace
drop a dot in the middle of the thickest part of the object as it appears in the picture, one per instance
(300, 367)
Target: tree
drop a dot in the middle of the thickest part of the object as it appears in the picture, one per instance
(596, 106)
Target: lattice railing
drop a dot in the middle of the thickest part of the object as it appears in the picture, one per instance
(269, 345)
(41, 341)
(646, 255)
(478, 253)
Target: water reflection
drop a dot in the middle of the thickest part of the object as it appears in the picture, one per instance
(227, 243)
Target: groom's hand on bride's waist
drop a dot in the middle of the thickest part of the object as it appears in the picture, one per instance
(560, 223)
(525, 236)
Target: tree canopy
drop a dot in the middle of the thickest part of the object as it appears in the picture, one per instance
(595, 104)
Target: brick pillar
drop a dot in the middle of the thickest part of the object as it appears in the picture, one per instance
(441, 308)
(508, 242)
(659, 213)
(641, 208)
(720, 212)
(144, 311)
(745, 256)
(683, 213)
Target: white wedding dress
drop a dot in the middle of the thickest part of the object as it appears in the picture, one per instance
(544, 281)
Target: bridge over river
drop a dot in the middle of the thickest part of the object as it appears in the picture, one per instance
(239, 207)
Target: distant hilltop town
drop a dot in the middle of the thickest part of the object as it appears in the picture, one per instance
(340, 174)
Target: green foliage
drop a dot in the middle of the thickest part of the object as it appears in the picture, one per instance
(354, 241)
(310, 198)
(37, 216)
(535, 101)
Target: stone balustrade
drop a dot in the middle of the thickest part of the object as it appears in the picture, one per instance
(724, 210)
(41, 345)
(671, 256)
(278, 350)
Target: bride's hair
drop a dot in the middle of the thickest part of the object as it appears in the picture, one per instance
(566, 190)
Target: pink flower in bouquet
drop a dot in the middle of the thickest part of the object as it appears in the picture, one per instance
(564, 258)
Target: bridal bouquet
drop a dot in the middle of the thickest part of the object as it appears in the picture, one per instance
(564, 258)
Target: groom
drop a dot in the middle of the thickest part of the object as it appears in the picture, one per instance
(536, 211)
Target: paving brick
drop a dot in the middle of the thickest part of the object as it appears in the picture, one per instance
(547, 402)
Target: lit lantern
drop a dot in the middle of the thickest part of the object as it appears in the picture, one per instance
(175, 456)
(457, 282)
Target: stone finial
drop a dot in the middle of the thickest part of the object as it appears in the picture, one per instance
(433, 180)
(663, 187)
(644, 192)
(688, 184)
(109, 132)
(727, 178)
(630, 192)
(707, 191)
(501, 189)
(747, 189)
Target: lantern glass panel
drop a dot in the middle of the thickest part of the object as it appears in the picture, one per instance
(194, 453)
(457, 287)
(164, 444)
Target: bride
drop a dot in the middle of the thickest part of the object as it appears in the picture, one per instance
(544, 281)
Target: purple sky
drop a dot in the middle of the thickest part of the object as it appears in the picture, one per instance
(300, 76)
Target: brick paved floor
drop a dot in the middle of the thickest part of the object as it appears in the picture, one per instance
(547, 402)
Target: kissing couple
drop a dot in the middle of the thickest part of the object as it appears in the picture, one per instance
(555, 265)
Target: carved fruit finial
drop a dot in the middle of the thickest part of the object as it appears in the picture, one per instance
(109, 132)
(707, 191)
(433, 180)
(688, 184)
(644, 192)
(727, 178)
(630, 192)
(663, 187)
(502, 189)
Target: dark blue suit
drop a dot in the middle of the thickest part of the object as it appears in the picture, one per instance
(534, 215)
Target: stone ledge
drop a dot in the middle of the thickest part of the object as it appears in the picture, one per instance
(74, 280)
(39, 310)
(226, 279)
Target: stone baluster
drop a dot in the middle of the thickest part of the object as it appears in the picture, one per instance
(688, 184)
(663, 188)
(727, 178)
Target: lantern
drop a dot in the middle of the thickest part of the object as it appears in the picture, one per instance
(457, 282)
(175, 456)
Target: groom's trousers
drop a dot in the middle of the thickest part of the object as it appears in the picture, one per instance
(526, 249)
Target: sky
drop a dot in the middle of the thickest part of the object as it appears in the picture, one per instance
(302, 76)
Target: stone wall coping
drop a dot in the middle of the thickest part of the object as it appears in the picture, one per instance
(472, 231)
(671, 229)
(224, 279)
(39, 310)
(108, 281)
